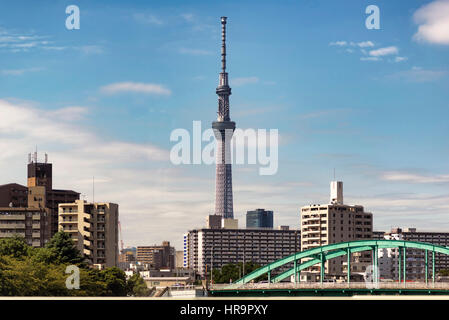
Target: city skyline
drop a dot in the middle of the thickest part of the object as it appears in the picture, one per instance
(102, 100)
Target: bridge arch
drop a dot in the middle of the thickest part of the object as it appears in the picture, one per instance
(321, 254)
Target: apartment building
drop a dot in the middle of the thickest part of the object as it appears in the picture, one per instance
(29, 223)
(94, 229)
(157, 256)
(323, 224)
(213, 248)
(415, 258)
(13, 195)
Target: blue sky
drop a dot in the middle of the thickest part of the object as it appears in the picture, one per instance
(373, 104)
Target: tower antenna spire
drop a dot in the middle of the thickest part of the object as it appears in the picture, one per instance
(223, 44)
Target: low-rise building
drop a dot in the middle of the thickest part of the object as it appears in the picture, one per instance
(158, 256)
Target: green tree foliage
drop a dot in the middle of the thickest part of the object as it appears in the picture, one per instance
(28, 271)
(232, 272)
(15, 247)
(60, 249)
(137, 287)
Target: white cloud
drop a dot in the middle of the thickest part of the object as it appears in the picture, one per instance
(147, 88)
(400, 59)
(410, 177)
(433, 20)
(384, 51)
(338, 43)
(362, 44)
(188, 17)
(18, 42)
(365, 44)
(417, 74)
(130, 174)
(91, 49)
(370, 59)
(19, 72)
(243, 81)
(73, 113)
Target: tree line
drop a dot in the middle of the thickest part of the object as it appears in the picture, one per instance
(29, 271)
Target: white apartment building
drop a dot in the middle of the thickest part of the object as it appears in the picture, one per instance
(415, 258)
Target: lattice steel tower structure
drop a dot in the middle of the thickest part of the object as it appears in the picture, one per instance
(223, 130)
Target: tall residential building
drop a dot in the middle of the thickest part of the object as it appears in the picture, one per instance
(158, 256)
(333, 223)
(41, 193)
(29, 223)
(94, 229)
(223, 130)
(259, 218)
(213, 248)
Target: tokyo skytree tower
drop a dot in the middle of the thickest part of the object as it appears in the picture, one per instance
(223, 130)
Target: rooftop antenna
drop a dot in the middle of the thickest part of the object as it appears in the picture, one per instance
(46, 158)
(35, 155)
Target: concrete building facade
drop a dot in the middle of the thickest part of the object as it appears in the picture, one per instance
(94, 229)
(13, 195)
(333, 223)
(213, 248)
(415, 259)
(29, 223)
(157, 256)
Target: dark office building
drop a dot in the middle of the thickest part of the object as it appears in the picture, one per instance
(13, 195)
(259, 218)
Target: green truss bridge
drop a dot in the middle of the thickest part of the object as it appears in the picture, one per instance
(319, 255)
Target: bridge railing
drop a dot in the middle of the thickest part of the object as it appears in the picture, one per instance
(332, 285)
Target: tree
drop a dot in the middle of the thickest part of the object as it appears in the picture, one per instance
(114, 280)
(15, 247)
(137, 287)
(28, 271)
(232, 272)
(61, 250)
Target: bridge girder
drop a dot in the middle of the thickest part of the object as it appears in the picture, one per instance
(331, 251)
